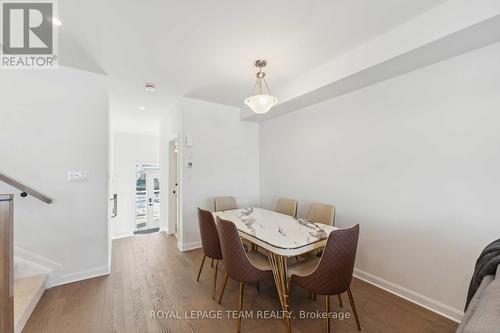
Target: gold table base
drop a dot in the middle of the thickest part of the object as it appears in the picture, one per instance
(279, 267)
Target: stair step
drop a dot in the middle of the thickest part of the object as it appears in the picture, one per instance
(27, 293)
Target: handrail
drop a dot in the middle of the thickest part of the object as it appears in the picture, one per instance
(25, 189)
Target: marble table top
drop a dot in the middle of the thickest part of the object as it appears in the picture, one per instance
(277, 232)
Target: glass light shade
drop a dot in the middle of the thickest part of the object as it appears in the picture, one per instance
(261, 103)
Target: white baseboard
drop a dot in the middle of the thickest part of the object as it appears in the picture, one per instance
(53, 268)
(39, 263)
(124, 235)
(189, 246)
(82, 275)
(25, 268)
(421, 300)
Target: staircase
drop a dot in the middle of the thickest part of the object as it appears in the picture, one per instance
(20, 288)
(27, 293)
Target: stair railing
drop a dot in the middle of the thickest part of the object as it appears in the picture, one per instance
(7, 250)
(25, 190)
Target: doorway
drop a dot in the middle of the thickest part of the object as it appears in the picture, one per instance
(147, 203)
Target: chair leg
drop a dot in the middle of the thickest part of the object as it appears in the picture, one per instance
(214, 282)
(351, 300)
(201, 267)
(340, 300)
(242, 286)
(297, 258)
(212, 264)
(258, 286)
(223, 287)
(314, 296)
(327, 310)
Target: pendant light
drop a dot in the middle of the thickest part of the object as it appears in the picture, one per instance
(260, 101)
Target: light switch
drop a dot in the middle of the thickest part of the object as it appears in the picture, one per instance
(78, 176)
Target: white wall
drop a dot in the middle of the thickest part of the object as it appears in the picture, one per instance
(52, 122)
(128, 150)
(225, 156)
(414, 160)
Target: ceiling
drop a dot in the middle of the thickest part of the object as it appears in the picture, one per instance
(206, 49)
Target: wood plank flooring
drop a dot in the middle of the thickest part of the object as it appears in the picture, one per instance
(150, 274)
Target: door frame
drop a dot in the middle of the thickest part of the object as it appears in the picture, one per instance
(174, 184)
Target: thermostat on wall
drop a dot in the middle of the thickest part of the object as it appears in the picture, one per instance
(189, 141)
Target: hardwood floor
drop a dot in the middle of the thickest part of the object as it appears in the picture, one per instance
(150, 274)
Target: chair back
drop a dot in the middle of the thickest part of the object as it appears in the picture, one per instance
(287, 207)
(321, 213)
(225, 203)
(236, 262)
(209, 236)
(333, 274)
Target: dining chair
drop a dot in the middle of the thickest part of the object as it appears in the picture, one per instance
(287, 207)
(332, 273)
(225, 203)
(321, 213)
(244, 267)
(210, 244)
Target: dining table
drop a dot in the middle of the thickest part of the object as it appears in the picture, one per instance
(283, 236)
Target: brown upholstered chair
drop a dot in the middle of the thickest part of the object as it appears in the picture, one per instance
(321, 213)
(244, 267)
(287, 207)
(332, 273)
(210, 243)
(224, 203)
